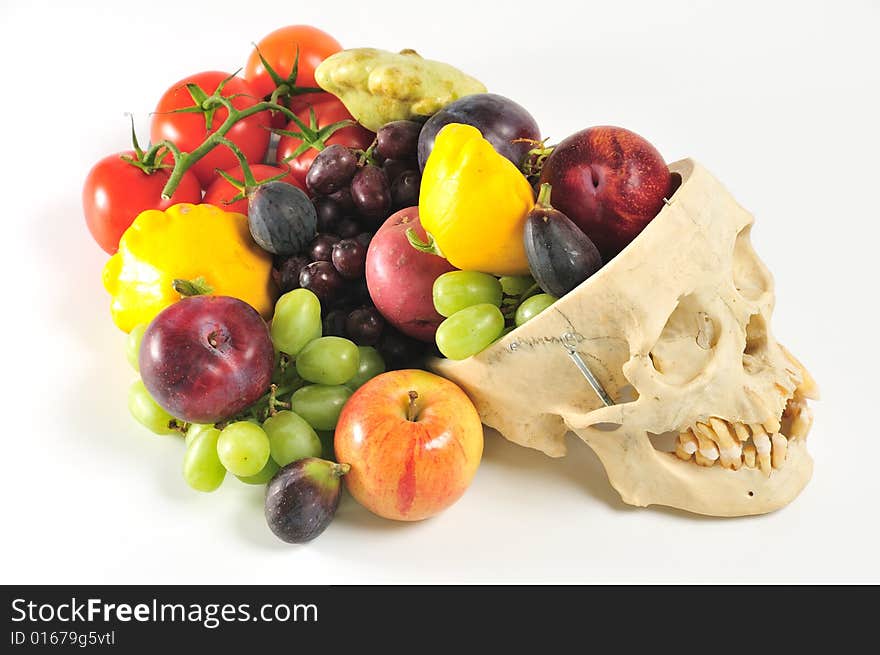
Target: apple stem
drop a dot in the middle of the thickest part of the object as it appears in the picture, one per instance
(543, 201)
(411, 408)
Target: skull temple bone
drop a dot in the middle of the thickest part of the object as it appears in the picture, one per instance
(710, 411)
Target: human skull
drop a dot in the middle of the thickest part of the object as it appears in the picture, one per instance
(709, 411)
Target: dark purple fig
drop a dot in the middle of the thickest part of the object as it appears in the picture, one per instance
(560, 255)
(281, 218)
(302, 498)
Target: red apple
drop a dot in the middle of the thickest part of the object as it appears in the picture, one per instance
(611, 182)
(414, 441)
(206, 358)
(400, 278)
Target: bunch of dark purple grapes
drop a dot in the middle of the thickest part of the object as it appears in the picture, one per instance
(354, 192)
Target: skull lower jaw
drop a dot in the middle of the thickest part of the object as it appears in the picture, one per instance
(643, 476)
(718, 467)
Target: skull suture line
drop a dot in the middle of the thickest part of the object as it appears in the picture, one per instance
(677, 330)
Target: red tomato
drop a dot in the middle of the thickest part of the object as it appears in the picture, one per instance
(221, 192)
(328, 111)
(279, 50)
(115, 192)
(188, 130)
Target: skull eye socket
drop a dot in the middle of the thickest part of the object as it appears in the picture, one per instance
(687, 342)
(751, 279)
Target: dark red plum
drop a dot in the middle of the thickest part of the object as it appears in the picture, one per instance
(611, 182)
(206, 358)
(500, 120)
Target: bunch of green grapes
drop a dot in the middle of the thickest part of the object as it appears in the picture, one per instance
(481, 308)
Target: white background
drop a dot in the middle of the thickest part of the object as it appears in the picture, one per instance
(779, 100)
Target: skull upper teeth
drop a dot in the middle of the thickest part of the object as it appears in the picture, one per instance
(734, 445)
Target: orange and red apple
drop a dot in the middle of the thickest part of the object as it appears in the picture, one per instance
(413, 440)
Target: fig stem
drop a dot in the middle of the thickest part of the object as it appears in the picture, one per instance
(411, 408)
(543, 201)
(341, 469)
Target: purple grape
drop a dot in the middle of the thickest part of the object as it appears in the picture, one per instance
(288, 273)
(321, 247)
(405, 189)
(343, 198)
(331, 170)
(323, 280)
(364, 326)
(370, 192)
(330, 214)
(364, 238)
(349, 258)
(394, 167)
(400, 351)
(359, 294)
(348, 228)
(334, 323)
(398, 139)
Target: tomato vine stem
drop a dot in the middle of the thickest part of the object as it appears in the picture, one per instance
(183, 161)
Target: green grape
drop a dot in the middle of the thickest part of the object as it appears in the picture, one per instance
(263, 476)
(371, 364)
(328, 450)
(147, 412)
(243, 448)
(133, 345)
(202, 468)
(516, 285)
(320, 404)
(297, 321)
(533, 306)
(469, 331)
(328, 360)
(291, 438)
(194, 430)
(456, 290)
